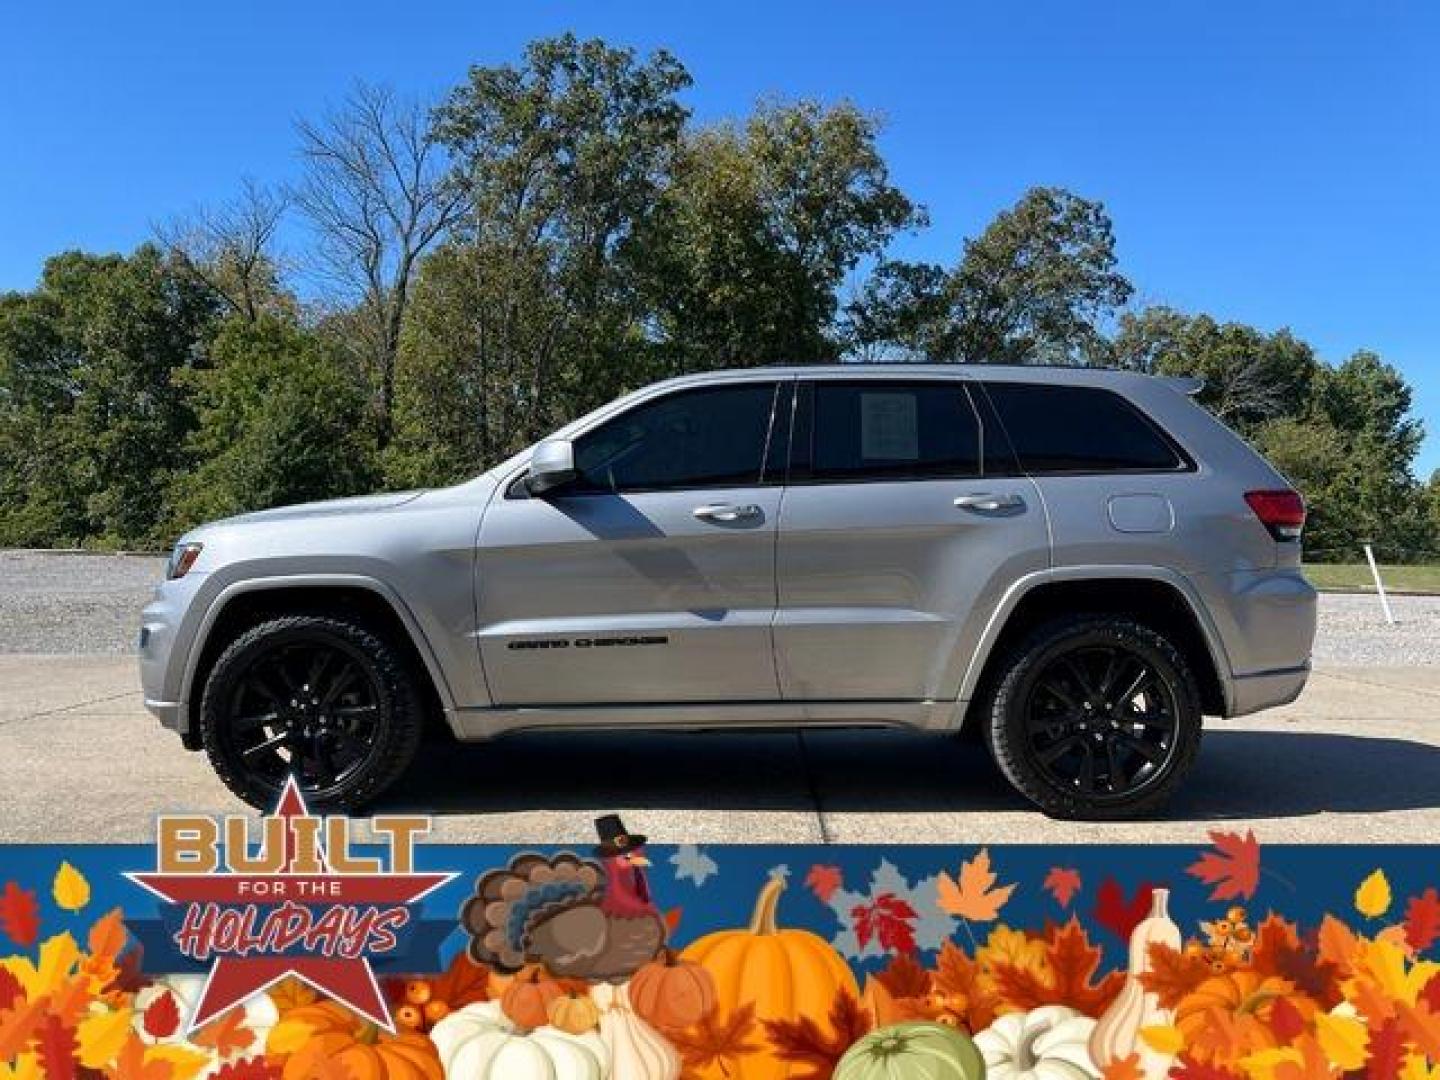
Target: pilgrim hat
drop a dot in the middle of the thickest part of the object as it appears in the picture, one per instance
(614, 840)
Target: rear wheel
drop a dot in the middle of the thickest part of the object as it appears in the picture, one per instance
(319, 697)
(1095, 718)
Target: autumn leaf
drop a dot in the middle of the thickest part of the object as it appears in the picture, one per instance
(107, 935)
(162, 1018)
(1279, 951)
(889, 920)
(185, 1063)
(1233, 867)
(1285, 1019)
(1343, 1039)
(1422, 1024)
(1062, 883)
(56, 1049)
(1372, 898)
(1338, 943)
(255, 1068)
(1422, 920)
(10, 989)
(17, 1025)
(19, 915)
(1187, 1068)
(129, 978)
(1163, 1039)
(804, 1042)
(463, 983)
(102, 1036)
(1118, 915)
(823, 881)
(958, 976)
(712, 1043)
(1072, 966)
(1173, 973)
(134, 1063)
(227, 1035)
(1387, 1052)
(1126, 1068)
(904, 977)
(290, 994)
(70, 889)
(974, 896)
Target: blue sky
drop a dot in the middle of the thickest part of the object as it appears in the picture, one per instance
(1273, 163)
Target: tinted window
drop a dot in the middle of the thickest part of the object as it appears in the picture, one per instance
(696, 438)
(1079, 429)
(877, 430)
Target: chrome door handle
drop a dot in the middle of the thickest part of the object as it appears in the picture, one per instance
(727, 512)
(985, 502)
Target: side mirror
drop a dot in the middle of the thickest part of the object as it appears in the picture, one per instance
(552, 465)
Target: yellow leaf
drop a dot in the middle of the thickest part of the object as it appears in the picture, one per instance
(58, 957)
(27, 1067)
(71, 890)
(973, 896)
(1343, 1039)
(23, 968)
(288, 1036)
(1417, 1068)
(1163, 1039)
(185, 1064)
(1372, 898)
(1383, 963)
(102, 1036)
(1263, 1064)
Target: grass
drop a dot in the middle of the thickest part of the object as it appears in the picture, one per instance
(1349, 576)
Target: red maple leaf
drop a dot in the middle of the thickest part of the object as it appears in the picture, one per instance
(1422, 920)
(803, 1042)
(1062, 883)
(1285, 1020)
(905, 977)
(255, 1068)
(56, 1047)
(10, 989)
(1387, 1051)
(162, 1018)
(1118, 915)
(19, 915)
(1074, 964)
(824, 880)
(1431, 994)
(1233, 867)
(1188, 1068)
(888, 920)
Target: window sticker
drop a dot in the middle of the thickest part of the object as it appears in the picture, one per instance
(889, 427)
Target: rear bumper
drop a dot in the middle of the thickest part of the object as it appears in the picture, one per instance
(1267, 689)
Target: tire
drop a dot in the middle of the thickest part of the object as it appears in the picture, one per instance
(1050, 712)
(346, 738)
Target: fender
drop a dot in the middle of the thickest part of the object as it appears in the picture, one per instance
(316, 580)
(1029, 582)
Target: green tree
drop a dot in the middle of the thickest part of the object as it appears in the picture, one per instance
(282, 419)
(93, 422)
(756, 231)
(1250, 376)
(1037, 286)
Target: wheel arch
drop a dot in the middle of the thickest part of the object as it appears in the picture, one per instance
(245, 603)
(1153, 595)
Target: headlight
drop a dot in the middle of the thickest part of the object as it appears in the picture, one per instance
(181, 560)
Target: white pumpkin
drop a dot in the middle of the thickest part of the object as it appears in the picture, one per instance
(479, 1042)
(260, 1016)
(637, 1050)
(1048, 1043)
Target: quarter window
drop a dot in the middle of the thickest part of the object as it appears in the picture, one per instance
(712, 437)
(1080, 429)
(894, 431)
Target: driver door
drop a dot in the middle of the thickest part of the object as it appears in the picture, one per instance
(651, 577)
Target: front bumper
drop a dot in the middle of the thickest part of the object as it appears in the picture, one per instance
(163, 650)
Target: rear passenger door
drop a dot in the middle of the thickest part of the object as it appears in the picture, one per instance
(901, 526)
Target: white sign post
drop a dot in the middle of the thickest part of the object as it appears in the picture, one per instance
(1379, 585)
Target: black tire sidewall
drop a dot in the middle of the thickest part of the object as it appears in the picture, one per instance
(399, 726)
(1005, 727)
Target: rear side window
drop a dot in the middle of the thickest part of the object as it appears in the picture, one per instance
(1080, 429)
(893, 431)
(710, 437)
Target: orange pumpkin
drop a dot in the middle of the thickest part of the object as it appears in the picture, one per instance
(672, 993)
(1244, 999)
(574, 1013)
(785, 974)
(526, 1001)
(326, 1032)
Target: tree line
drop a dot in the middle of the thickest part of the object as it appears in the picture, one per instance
(551, 233)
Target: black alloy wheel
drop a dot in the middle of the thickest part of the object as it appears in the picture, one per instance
(317, 697)
(1095, 718)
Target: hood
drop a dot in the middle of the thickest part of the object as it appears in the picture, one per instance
(360, 504)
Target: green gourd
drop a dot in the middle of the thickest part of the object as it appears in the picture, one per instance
(917, 1049)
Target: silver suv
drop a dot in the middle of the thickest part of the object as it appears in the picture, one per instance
(1076, 564)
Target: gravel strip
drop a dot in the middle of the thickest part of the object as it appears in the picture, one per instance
(90, 604)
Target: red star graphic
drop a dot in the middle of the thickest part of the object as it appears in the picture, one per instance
(233, 979)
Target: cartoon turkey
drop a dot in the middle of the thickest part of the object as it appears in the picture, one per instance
(580, 918)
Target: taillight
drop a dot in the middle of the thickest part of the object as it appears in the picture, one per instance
(1282, 512)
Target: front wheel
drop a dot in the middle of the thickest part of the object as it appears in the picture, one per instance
(1095, 718)
(319, 697)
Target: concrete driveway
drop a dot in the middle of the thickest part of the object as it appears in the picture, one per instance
(1357, 759)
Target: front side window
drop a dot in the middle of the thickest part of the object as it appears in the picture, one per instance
(706, 438)
(1080, 429)
(871, 430)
